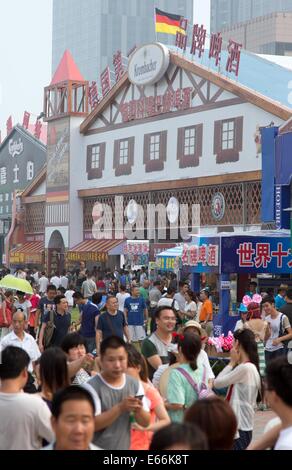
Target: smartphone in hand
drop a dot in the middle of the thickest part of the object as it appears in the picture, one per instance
(140, 397)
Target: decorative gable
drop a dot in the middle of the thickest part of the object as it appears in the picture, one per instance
(179, 91)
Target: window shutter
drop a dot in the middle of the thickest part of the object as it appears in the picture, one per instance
(88, 159)
(131, 150)
(163, 146)
(238, 133)
(217, 137)
(199, 140)
(146, 152)
(116, 161)
(180, 143)
(102, 156)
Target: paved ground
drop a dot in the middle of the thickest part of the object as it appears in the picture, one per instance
(261, 419)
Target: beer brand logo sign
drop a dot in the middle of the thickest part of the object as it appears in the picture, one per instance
(148, 64)
(15, 147)
(218, 207)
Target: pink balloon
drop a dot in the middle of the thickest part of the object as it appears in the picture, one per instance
(246, 300)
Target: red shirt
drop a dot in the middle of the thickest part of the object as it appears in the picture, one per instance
(100, 285)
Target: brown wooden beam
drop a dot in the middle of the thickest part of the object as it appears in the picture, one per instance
(245, 93)
(249, 176)
(34, 199)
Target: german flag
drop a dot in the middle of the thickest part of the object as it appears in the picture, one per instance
(167, 23)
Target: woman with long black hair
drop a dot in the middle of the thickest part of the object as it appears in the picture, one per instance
(243, 379)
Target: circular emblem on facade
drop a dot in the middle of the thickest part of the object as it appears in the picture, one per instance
(148, 64)
(218, 206)
(132, 211)
(172, 210)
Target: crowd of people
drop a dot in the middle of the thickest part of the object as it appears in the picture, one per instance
(117, 361)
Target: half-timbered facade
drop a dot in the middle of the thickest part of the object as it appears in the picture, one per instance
(192, 135)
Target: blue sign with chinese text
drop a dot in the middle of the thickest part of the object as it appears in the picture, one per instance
(271, 255)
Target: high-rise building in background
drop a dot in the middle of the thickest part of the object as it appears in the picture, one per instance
(227, 13)
(93, 30)
(261, 26)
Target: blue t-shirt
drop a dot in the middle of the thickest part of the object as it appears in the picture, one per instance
(112, 325)
(135, 307)
(89, 313)
(279, 302)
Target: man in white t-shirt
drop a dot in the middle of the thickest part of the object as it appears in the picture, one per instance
(168, 300)
(43, 283)
(121, 296)
(69, 296)
(20, 339)
(279, 396)
(280, 330)
(180, 296)
(24, 418)
(35, 275)
(56, 280)
(64, 281)
(88, 287)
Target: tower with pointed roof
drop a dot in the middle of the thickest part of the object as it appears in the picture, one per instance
(65, 107)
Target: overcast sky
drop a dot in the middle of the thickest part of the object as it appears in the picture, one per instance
(26, 55)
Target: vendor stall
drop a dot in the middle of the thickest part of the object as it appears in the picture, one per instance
(230, 256)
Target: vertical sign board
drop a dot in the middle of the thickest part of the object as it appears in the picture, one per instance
(268, 135)
(278, 207)
(58, 156)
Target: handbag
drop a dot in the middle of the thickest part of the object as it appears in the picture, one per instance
(204, 391)
(49, 330)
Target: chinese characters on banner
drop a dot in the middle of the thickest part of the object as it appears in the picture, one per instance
(204, 255)
(38, 129)
(93, 95)
(118, 65)
(181, 38)
(233, 61)
(136, 248)
(152, 106)
(105, 79)
(9, 125)
(74, 256)
(26, 118)
(3, 175)
(262, 255)
(198, 46)
(198, 40)
(167, 264)
(216, 48)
